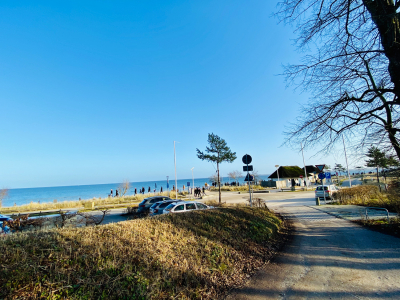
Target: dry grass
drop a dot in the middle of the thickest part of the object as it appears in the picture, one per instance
(369, 195)
(98, 202)
(242, 188)
(197, 255)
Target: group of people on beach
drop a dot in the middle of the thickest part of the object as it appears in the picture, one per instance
(199, 192)
(112, 194)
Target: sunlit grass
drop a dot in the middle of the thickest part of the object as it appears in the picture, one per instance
(197, 255)
(98, 202)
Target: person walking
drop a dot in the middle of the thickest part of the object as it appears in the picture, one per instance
(161, 190)
(149, 190)
(135, 191)
(111, 194)
(116, 193)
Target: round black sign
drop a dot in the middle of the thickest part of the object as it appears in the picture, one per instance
(246, 159)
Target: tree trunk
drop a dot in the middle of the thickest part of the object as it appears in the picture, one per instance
(377, 173)
(219, 184)
(387, 20)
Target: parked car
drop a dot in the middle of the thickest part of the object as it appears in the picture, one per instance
(5, 218)
(183, 206)
(144, 206)
(158, 207)
(327, 189)
(4, 229)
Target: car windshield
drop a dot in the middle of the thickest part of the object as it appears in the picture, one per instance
(169, 207)
(162, 205)
(154, 205)
(320, 188)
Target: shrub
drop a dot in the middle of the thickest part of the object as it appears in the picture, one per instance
(360, 194)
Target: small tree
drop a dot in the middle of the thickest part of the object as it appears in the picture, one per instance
(3, 194)
(377, 159)
(235, 175)
(124, 187)
(217, 152)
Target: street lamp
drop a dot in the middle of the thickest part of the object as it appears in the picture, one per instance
(277, 172)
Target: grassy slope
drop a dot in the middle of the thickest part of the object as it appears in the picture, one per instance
(197, 255)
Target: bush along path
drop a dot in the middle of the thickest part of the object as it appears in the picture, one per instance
(197, 255)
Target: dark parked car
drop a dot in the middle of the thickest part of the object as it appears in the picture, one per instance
(158, 207)
(144, 206)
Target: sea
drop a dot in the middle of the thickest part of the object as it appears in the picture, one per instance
(75, 192)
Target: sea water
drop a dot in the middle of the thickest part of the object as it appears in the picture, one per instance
(76, 192)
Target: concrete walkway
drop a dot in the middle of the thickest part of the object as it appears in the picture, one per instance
(327, 258)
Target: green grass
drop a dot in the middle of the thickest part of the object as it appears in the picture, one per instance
(197, 255)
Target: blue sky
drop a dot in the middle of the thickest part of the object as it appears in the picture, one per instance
(97, 91)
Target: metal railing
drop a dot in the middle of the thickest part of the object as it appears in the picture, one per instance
(377, 208)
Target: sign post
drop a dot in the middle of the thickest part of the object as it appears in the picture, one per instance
(322, 176)
(246, 159)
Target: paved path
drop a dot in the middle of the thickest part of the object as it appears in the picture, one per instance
(328, 258)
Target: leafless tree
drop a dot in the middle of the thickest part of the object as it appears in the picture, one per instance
(213, 178)
(235, 175)
(94, 219)
(3, 194)
(124, 187)
(354, 73)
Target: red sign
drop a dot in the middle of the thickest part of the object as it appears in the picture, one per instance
(320, 167)
(301, 176)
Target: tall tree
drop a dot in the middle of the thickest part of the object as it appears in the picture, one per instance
(354, 73)
(377, 159)
(217, 152)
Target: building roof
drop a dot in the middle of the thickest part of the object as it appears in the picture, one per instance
(288, 172)
(311, 169)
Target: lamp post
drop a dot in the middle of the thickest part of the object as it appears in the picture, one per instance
(192, 179)
(277, 172)
(347, 164)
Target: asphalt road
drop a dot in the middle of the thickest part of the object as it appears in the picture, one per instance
(328, 258)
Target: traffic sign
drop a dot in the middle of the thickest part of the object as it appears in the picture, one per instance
(249, 178)
(301, 176)
(246, 159)
(320, 167)
(247, 168)
(321, 175)
(188, 183)
(328, 175)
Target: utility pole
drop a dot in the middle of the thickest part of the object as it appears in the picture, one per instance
(277, 172)
(304, 163)
(347, 164)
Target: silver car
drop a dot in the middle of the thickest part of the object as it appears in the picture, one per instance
(185, 206)
(325, 191)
